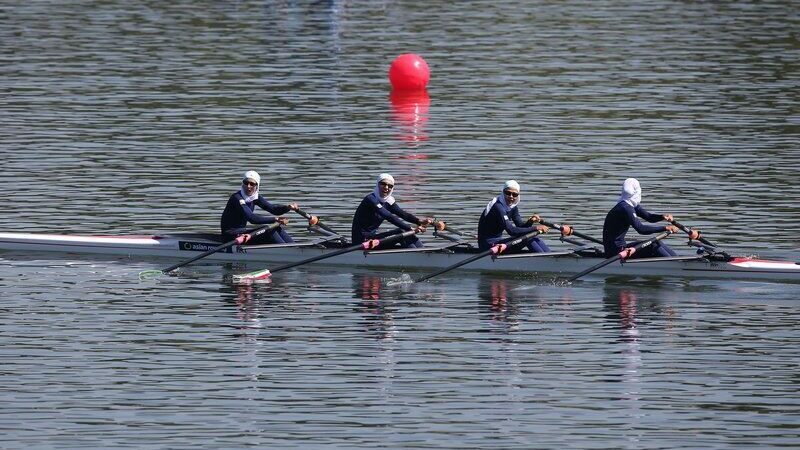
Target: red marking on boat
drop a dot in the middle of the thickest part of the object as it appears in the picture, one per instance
(132, 236)
(762, 263)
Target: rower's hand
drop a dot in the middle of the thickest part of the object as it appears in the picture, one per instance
(282, 220)
(672, 228)
(535, 219)
(566, 230)
(293, 206)
(420, 229)
(668, 217)
(426, 221)
(440, 225)
(694, 234)
(313, 220)
(542, 229)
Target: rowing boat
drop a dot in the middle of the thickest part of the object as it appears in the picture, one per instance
(559, 263)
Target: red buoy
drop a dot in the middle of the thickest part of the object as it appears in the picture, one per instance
(409, 72)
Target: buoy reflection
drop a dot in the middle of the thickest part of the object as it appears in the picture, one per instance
(410, 115)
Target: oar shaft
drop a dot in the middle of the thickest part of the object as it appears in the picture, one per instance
(624, 254)
(367, 245)
(576, 233)
(457, 265)
(319, 223)
(256, 232)
(496, 249)
(448, 228)
(686, 230)
(595, 267)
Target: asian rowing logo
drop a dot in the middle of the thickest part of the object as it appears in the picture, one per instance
(199, 246)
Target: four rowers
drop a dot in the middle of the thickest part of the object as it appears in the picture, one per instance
(500, 215)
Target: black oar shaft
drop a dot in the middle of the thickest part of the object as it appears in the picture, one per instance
(448, 228)
(239, 240)
(576, 233)
(624, 254)
(367, 245)
(319, 223)
(687, 230)
(496, 249)
(457, 265)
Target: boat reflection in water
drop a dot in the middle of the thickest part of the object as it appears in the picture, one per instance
(378, 317)
(624, 305)
(498, 299)
(410, 115)
(632, 311)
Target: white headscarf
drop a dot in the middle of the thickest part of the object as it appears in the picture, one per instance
(252, 175)
(502, 198)
(631, 192)
(390, 179)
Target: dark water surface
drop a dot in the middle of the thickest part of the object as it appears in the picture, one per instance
(120, 117)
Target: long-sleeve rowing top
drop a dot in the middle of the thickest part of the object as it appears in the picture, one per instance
(239, 212)
(371, 213)
(623, 216)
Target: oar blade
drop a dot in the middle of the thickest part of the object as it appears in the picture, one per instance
(252, 277)
(150, 274)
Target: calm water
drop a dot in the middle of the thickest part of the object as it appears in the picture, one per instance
(140, 118)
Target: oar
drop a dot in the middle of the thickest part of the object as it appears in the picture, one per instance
(440, 225)
(568, 231)
(239, 240)
(623, 255)
(318, 223)
(366, 245)
(495, 250)
(688, 231)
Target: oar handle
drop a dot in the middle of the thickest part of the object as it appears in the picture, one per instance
(688, 231)
(319, 223)
(570, 231)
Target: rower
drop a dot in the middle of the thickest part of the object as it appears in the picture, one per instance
(240, 210)
(501, 214)
(380, 205)
(627, 213)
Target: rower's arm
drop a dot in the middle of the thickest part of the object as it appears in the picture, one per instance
(271, 207)
(405, 215)
(514, 224)
(637, 224)
(388, 215)
(256, 218)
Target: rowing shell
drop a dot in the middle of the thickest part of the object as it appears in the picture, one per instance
(179, 246)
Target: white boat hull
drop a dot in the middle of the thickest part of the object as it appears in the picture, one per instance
(187, 246)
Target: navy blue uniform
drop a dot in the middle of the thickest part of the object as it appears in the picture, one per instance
(501, 218)
(623, 216)
(239, 212)
(371, 213)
